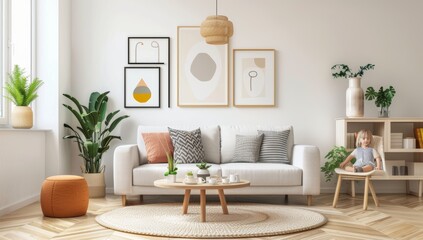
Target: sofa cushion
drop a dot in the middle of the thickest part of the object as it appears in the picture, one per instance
(247, 148)
(210, 137)
(274, 148)
(187, 145)
(228, 136)
(265, 174)
(146, 174)
(157, 144)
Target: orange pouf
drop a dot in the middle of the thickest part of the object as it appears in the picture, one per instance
(64, 196)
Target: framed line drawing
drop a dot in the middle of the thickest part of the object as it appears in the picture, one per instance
(202, 70)
(254, 77)
(142, 87)
(148, 50)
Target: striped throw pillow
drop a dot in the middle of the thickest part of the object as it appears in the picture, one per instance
(247, 148)
(274, 148)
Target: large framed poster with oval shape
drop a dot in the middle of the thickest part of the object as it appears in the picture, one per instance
(202, 70)
(254, 77)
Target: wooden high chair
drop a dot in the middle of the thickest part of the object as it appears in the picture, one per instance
(366, 176)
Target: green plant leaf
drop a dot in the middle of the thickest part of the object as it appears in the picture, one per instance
(116, 122)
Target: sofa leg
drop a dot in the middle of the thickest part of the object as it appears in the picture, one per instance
(124, 200)
(309, 200)
(286, 199)
(141, 198)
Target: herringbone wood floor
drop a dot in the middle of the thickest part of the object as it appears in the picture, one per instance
(398, 217)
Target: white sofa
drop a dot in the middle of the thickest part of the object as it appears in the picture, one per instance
(133, 175)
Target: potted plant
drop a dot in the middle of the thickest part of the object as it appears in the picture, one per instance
(383, 98)
(21, 93)
(354, 94)
(335, 157)
(172, 170)
(93, 137)
(203, 171)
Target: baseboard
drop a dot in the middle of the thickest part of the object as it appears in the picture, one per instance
(14, 206)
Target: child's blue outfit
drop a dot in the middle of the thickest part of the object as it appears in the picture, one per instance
(365, 156)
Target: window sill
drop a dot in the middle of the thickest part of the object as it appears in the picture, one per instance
(5, 129)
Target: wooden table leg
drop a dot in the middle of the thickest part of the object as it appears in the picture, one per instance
(186, 201)
(366, 193)
(353, 188)
(203, 204)
(223, 201)
(420, 188)
(372, 190)
(338, 189)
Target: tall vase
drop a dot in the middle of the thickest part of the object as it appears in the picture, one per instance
(354, 98)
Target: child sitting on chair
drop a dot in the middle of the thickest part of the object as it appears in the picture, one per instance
(365, 155)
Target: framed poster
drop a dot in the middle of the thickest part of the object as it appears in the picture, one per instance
(142, 87)
(254, 77)
(202, 70)
(153, 51)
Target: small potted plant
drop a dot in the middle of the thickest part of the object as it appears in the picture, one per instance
(354, 95)
(335, 157)
(203, 171)
(21, 92)
(172, 170)
(189, 178)
(383, 98)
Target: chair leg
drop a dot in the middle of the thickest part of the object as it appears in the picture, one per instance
(366, 193)
(372, 190)
(338, 189)
(353, 188)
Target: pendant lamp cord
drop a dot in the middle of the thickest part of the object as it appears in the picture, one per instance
(216, 7)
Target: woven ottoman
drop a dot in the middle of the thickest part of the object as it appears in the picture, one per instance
(64, 196)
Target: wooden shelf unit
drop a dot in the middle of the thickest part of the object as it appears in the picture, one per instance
(384, 127)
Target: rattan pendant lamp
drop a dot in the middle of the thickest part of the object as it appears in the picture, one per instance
(217, 29)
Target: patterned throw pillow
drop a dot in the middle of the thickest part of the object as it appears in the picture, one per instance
(247, 148)
(156, 145)
(274, 148)
(187, 145)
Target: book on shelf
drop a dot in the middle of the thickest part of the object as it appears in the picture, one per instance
(418, 134)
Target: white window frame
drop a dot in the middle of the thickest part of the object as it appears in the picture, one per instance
(5, 56)
(6, 45)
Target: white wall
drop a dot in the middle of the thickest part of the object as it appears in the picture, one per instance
(309, 37)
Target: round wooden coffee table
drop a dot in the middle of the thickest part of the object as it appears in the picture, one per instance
(162, 183)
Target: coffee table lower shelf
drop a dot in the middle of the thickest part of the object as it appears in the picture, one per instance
(162, 183)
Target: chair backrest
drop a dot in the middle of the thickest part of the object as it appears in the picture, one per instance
(378, 145)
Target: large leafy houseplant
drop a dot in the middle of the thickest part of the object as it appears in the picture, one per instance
(343, 71)
(383, 98)
(93, 135)
(19, 90)
(335, 157)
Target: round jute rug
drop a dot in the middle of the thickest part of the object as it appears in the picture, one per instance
(243, 220)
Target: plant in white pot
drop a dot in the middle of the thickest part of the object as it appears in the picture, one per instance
(355, 94)
(21, 92)
(203, 170)
(93, 137)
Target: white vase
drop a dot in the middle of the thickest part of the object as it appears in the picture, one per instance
(22, 117)
(203, 173)
(354, 98)
(96, 184)
(171, 178)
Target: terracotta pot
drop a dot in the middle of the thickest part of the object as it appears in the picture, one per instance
(354, 98)
(96, 184)
(22, 117)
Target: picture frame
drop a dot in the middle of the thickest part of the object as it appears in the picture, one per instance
(152, 51)
(142, 87)
(254, 77)
(203, 76)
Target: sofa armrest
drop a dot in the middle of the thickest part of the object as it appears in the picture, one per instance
(125, 159)
(307, 157)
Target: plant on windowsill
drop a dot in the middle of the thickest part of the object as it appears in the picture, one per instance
(93, 137)
(335, 157)
(383, 99)
(203, 171)
(21, 93)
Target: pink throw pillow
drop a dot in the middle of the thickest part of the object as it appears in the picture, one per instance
(157, 144)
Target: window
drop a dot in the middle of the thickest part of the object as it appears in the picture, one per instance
(16, 39)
